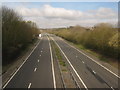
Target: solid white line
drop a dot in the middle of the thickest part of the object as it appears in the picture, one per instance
(38, 60)
(29, 85)
(71, 65)
(92, 59)
(20, 66)
(35, 69)
(52, 66)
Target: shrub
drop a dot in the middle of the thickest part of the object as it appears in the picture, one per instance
(103, 38)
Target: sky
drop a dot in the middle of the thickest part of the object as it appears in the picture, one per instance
(65, 14)
(59, 0)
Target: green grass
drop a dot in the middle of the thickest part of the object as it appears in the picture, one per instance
(23, 52)
(94, 53)
(81, 47)
(84, 48)
(64, 70)
(102, 58)
(58, 54)
(62, 63)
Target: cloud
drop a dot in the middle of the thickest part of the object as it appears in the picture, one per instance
(106, 13)
(49, 12)
(48, 16)
(56, 23)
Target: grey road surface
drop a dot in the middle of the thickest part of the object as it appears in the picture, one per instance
(36, 72)
(92, 74)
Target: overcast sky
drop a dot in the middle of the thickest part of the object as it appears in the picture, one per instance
(64, 14)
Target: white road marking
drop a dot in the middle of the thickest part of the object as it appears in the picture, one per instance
(20, 66)
(83, 62)
(71, 65)
(40, 55)
(38, 60)
(41, 51)
(94, 72)
(76, 56)
(112, 88)
(93, 60)
(29, 85)
(52, 66)
(35, 69)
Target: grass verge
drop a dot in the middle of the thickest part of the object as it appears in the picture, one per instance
(111, 61)
(16, 60)
(58, 54)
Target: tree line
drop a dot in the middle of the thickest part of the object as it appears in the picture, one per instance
(16, 34)
(102, 38)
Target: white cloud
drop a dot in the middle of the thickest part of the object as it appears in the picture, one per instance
(49, 16)
(60, 12)
(106, 13)
(49, 12)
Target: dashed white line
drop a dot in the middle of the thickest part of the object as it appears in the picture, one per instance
(93, 60)
(94, 72)
(112, 88)
(29, 85)
(38, 60)
(35, 69)
(71, 65)
(20, 66)
(83, 62)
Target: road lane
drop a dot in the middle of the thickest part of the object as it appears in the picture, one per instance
(43, 77)
(93, 75)
(34, 73)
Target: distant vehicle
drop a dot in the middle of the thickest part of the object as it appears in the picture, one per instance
(39, 35)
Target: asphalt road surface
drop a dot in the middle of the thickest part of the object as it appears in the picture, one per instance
(90, 73)
(36, 72)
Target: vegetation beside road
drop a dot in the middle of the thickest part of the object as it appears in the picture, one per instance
(103, 38)
(17, 34)
(58, 53)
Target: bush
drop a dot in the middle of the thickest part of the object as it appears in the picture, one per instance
(103, 38)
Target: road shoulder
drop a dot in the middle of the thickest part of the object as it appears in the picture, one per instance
(17, 63)
(105, 64)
